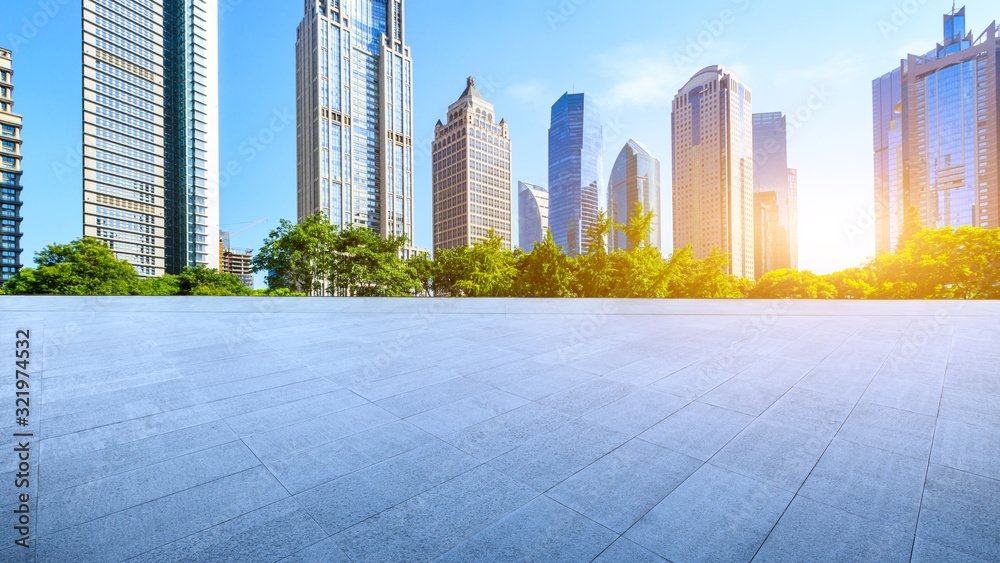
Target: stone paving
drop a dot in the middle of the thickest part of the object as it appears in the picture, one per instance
(505, 430)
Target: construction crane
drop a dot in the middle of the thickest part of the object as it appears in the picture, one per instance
(224, 237)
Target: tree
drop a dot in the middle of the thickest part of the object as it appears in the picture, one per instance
(297, 256)
(491, 271)
(705, 279)
(792, 284)
(363, 264)
(424, 271)
(451, 266)
(545, 271)
(202, 281)
(853, 283)
(84, 267)
(595, 274)
(911, 225)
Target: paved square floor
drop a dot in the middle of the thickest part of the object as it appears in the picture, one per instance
(504, 430)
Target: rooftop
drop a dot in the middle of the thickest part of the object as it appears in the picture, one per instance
(463, 430)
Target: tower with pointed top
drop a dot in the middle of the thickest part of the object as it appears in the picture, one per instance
(472, 186)
(354, 115)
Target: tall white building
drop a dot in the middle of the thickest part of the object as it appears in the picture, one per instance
(354, 114)
(150, 131)
(532, 215)
(472, 189)
(713, 201)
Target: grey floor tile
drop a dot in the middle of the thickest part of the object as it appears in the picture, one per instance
(587, 397)
(62, 509)
(326, 551)
(915, 371)
(547, 460)
(322, 464)
(459, 415)
(646, 371)
(277, 396)
(715, 515)
(778, 370)
(298, 412)
(432, 396)
(266, 534)
(816, 413)
(556, 379)
(904, 395)
(65, 471)
(510, 373)
(621, 487)
(895, 430)
(288, 440)
(929, 552)
(959, 512)
(505, 432)
(624, 551)
(978, 377)
(773, 453)
(965, 447)
(698, 430)
(378, 389)
(881, 486)
(606, 361)
(434, 522)
(810, 531)
(970, 407)
(636, 412)
(145, 527)
(746, 395)
(542, 530)
(342, 503)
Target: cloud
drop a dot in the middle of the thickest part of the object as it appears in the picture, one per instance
(639, 77)
(533, 93)
(836, 68)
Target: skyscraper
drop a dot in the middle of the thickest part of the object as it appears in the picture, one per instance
(936, 135)
(472, 189)
(150, 131)
(775, 217)
(10, 173)
(355, 115)
(635, 178)
(712, 131)
(532, 215)
(576, 170)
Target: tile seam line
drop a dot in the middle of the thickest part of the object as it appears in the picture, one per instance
(827, 448)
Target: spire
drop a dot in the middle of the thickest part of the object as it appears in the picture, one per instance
(471, 89)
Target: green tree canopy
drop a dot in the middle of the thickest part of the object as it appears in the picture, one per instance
(363, 264)
(490, 271)
(84, 267)
(297, 256)
(792, 284)
(545, 271)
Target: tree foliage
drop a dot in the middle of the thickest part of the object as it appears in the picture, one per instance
(363, 264)
(793, 284)
(545, 271)
(83, 267)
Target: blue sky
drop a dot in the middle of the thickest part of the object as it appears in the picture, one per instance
(811, 60)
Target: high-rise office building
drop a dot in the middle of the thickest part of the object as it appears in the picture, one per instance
(775, 217)
(635, 179)
(472, 187)
(150, 131)
(532, 215)
(354, 115)
(712, 131)
(936, 135)
(576, 170)
(10, 173)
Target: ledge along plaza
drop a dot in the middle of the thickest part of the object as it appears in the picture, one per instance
(501, 430)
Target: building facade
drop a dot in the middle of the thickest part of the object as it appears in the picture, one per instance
(936, 135)
(10, 173)
(712, 133)
(576, 170)
(150, 131)
(776, 245)
(354, 115)
(532, 215)
(635, 179)
(472, 186)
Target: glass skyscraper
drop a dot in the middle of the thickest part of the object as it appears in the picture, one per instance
(576, 170)
(635, 178)
(10, 173)
(712, 134)
(776, 221)
(936, 135)
(532, 215)
(355, 115)
(150, 131)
